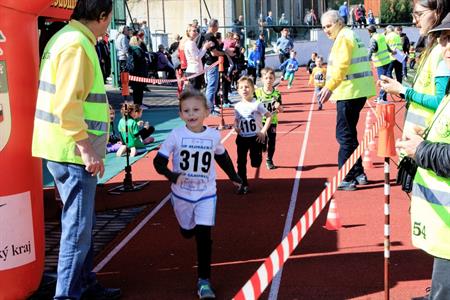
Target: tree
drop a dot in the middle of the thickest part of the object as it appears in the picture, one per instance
(396, 11)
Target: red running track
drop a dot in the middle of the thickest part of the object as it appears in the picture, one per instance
(157, 263)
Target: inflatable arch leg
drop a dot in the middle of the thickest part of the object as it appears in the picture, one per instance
(21, 206)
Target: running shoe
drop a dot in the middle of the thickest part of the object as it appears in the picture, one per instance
(243, 190)
(347, 186)
(270, 165)
(204, 289)
(362, 179)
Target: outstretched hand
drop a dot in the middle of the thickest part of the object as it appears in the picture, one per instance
(390, 85)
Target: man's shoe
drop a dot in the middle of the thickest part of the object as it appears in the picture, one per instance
(347, 186)
(362, 179)
(98, 292)
(320, 106)
(204, 289)
(242, 190)
(270, 165)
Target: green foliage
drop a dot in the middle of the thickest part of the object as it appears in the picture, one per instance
(396, 11)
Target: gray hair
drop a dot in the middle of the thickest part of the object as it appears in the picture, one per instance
(389, 28)
(334, 16)
(213, 23)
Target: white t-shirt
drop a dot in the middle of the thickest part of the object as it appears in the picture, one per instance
(193, 156)
(249, 116)
(193, 57)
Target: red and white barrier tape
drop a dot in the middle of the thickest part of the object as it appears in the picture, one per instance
(272, 264)
(161, 81)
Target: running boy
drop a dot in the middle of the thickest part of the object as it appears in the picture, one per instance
(271, 99)
(317, 78)
(291, 66)
(248, 115)
(194, 147)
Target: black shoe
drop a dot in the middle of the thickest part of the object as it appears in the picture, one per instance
(270, 165)
(98, 292)
(242, 190)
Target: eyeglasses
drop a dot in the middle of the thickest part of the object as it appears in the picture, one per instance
(418, 14)
(444, 39)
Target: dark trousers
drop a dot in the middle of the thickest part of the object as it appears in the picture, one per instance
(203, 240)
(196, 82)
(138, 92)
(146, 132)
(397, 67)
(283, 58)
(245, 145)
(251, 71)
(440, 280)
(346, 134)
(383, 70)
(270, 141)
(260, 66)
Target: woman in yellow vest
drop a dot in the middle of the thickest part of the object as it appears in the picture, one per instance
(430, 202)
(427, 15)
(349, 82)
(70, 132)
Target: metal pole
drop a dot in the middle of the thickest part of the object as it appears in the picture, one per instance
(201, 16)
(164, 16)
(244, 8)
(387, 226)
(148, 16)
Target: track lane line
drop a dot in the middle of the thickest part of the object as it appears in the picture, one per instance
(138, 228)
(275, 287)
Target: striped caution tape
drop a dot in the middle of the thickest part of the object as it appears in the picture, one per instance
(162, 81)
(272, 264)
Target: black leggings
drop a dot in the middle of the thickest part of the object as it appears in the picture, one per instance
(270, 141)
(245, 145)
(202, 235)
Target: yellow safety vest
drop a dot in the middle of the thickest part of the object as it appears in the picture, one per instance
(430, 202)
(418, 115)
(49, 140)
(394, 42)
(359, 80)
(381, 57)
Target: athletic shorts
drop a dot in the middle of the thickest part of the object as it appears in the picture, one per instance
(190, 214)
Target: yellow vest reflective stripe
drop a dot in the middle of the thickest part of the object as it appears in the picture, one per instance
(430, 202)
(395, 42)
(49, 140)
(418, 115)
(359, 80)
(381, 57)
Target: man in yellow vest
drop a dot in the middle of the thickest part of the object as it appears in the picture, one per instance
(379, 53)
(395, 44)
(70, 132)
(349, 82)
(430, 196)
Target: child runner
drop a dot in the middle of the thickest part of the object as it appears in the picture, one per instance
(248, 115)
(311, 64)
(291, 66)
(138, 131)
(271, 99)
(318, 78)
(194, 147)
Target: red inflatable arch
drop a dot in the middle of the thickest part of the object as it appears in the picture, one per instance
(21, 206)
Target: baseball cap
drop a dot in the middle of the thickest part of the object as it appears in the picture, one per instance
(445, 25)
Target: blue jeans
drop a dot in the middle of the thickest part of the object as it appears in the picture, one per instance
(440, 281)
(346, 134)
(383, 70)
(212, 84)
(77, 190)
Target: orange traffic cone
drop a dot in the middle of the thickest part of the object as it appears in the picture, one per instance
(367, 160)
(333, 220)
